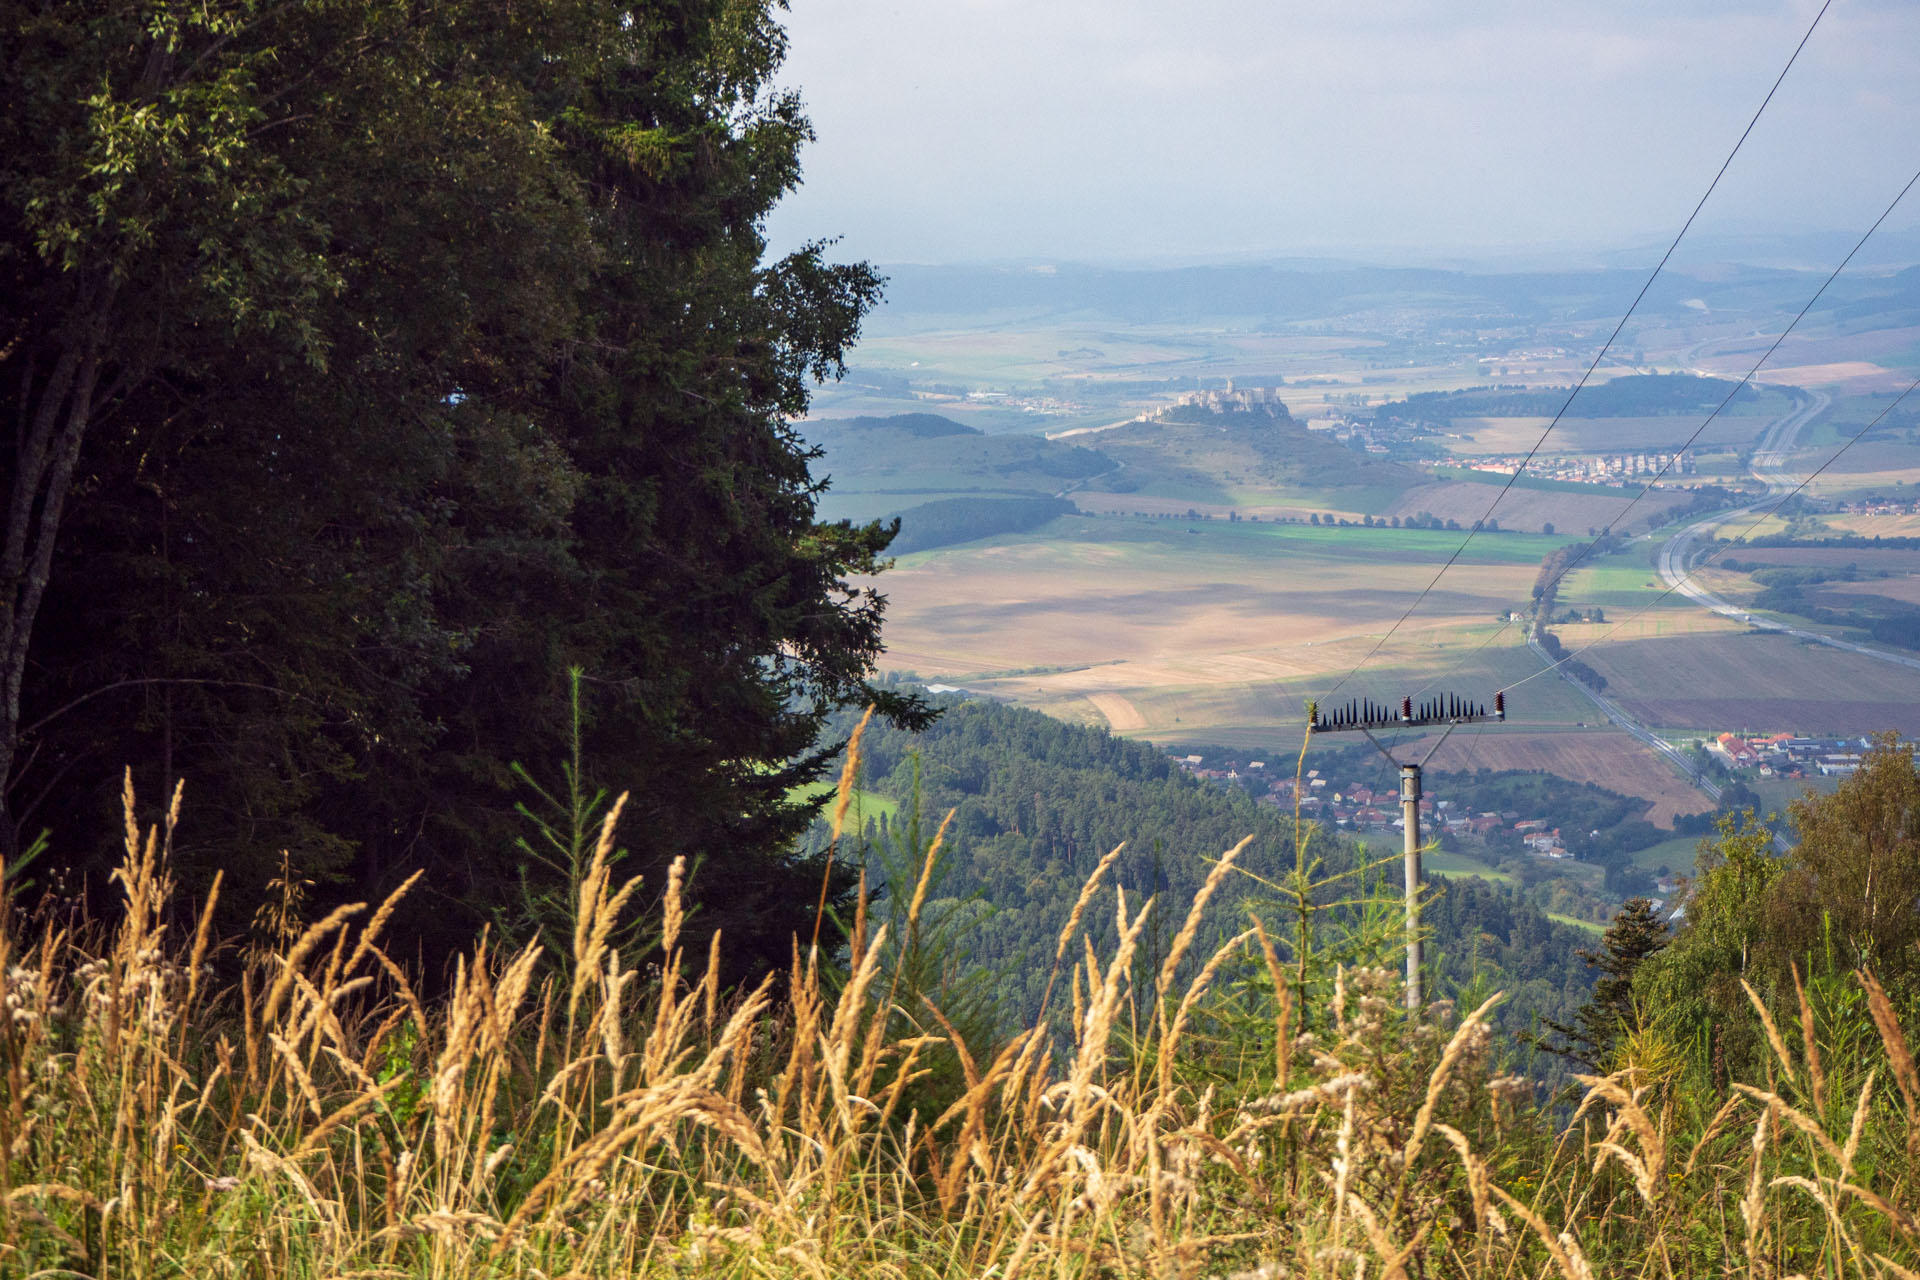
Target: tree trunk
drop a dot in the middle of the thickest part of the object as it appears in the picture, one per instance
(52, 423)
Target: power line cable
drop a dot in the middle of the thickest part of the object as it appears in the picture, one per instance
(1470, 655)
(1664, 258)
(1687, 572)
(1587, 548)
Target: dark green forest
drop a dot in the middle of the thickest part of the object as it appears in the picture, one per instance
(1037, 803)
(952, 520)
(404, 455)
(1634, 396)
(372, 367)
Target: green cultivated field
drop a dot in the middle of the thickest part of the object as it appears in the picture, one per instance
(1530, 482)
(863, 806)
(1442, 862)
(1676, 854)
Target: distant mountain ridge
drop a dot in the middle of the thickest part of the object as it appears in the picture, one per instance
(1283, 294)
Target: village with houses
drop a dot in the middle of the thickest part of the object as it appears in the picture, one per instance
(1785, 755)
(1593, 468)
(1358, 807)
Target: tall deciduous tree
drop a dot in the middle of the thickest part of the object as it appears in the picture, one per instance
(1853, 882)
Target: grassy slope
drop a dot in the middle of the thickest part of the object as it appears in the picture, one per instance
(589, 1119)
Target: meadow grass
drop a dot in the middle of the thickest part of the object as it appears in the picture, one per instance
(595, 1114)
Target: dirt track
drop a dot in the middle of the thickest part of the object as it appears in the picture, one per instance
(1120, 713)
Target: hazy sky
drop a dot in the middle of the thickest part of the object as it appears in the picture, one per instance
(1138, 131)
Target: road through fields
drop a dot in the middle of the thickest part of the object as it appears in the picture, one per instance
(1769, 467)
(1613, 712)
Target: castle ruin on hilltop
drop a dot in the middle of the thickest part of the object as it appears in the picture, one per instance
(1238, 400)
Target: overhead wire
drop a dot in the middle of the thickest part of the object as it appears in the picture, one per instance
(1598, 357)
(1587, 548)
(1687, 572)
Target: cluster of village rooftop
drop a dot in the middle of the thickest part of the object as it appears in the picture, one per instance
(1782, 755)
(1879, 505)
(1358, 807)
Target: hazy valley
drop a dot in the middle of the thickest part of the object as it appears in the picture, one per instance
(1266, 468)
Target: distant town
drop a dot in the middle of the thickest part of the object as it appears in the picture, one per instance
(1783, 755)
(1358, 807)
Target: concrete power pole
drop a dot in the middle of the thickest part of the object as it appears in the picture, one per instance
(1410, 820)
(1366, 716)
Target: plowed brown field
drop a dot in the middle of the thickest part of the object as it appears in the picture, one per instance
(1603, 757)
(1769, 683)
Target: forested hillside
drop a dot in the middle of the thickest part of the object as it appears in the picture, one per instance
(952, 520)
(1196, 446)
(1037, 803)
(1637, 395)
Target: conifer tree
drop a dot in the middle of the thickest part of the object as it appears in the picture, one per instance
(373, 366)
(1635, 934)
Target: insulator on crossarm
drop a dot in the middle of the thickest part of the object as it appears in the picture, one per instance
(1500, 705)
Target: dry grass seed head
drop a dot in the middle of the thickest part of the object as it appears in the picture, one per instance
(1712, 1131)
(1898, 1054)
(291, 962)
(1463, 1035)
(1773, 1032)
(1858, 1128)
(849, 776)
(1647, 1167)
(596, 910)
(1753, 1204)
(1193, 994)
(1809, 1042)
(1191, 925)
(1798, 1119)
(926, 869)
(1568, 1258)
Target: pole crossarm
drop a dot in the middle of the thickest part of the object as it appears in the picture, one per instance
(1362, 714)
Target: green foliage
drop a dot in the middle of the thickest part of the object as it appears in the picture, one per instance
(1853, 879)
(1591, 1039)
(1192, 446)
(1634, 396)
(1840, 901)
(556, 859)
(375, 366)
(932, 979)
(1038, 803)
(872, 462)
(1725, 930)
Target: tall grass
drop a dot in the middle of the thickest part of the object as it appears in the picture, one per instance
(604, 1117)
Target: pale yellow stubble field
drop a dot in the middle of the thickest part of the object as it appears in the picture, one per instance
(1166, 638)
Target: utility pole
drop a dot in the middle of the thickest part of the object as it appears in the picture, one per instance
(1365, 716)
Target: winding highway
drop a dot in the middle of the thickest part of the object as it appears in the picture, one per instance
(1769, 467)
(1676, 557)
